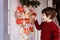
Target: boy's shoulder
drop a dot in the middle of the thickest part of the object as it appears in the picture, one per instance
(54, 26)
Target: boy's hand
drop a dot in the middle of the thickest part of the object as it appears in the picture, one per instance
(34, 18)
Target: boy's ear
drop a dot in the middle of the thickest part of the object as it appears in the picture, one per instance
(49, 16)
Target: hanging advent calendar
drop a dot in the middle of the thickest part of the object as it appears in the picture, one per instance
(25, 20)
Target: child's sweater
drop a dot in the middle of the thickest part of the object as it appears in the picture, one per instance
(50, 31)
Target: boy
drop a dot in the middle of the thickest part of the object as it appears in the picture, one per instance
(50, 31)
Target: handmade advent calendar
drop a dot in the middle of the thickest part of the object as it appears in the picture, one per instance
(25, 18)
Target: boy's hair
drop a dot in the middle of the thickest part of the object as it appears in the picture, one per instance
(49, 11)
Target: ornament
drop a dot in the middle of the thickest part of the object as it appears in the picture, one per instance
(31, 29)
(26, 31)
(27, 20)
(34, 14)
(19, 21)
(26, 9)
(31, 10)
(26, 15)
(23, 16)
(17, 15)
(20, 9)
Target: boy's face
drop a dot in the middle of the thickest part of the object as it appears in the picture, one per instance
(44, 17)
